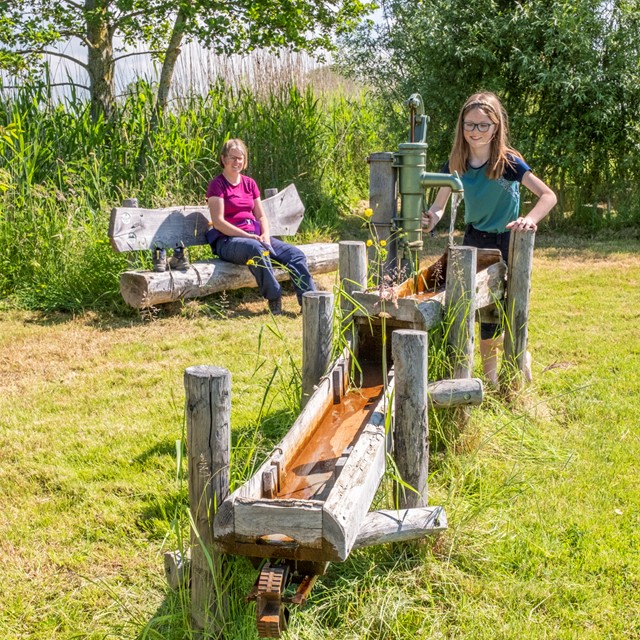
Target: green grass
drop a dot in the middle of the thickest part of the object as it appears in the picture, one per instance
(542, 496)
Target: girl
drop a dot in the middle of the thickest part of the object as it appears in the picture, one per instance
(491, 174)
(239, 229)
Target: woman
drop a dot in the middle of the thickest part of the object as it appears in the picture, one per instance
(491, 172)
(239, 229)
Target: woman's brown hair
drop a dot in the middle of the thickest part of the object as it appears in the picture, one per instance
(234, 143)
(490, 105)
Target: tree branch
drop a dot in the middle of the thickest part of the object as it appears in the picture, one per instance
(84, 65)
(81, 8)
(50, 84)
(138, 53)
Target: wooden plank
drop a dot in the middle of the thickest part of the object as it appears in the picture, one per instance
(371, 305)
(382, 527)
(136, 229)
(142, 289)
(351, 496)
(300, 520)
(490, 285)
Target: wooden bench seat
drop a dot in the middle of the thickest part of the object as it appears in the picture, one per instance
(133, 228)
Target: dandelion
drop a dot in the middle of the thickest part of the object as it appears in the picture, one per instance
(383, 243)
(368, 212)
(250, 262)
(265, 253)
(369, 242)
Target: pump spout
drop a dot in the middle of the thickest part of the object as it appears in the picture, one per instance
(451, 180)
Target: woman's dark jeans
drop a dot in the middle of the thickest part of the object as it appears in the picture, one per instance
(287, 256)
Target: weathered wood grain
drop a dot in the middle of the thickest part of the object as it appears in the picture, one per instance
(382, 527)
(351, 496)
(317, 339)
(142, 289)
(517, 307)
(300, 520)
(460, 305)
(133, 228)
(490, 285)
(208, 411)
(411, 425)
(444, 394)
(177, 568)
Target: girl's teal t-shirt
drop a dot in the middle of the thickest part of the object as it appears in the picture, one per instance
(489, 205)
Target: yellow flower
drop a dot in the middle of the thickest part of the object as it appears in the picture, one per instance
(369, 243)
(383, 243)
(265, 253)
(251, 262)
(368, 212)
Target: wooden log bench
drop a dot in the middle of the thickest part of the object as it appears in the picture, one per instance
(132, 228)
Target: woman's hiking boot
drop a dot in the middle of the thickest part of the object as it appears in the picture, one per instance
(159, 260)
(180, 259)
(275, 306)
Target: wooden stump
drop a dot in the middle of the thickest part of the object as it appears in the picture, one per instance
(208, 411)
(460, 303)
(317, 339)
(517, 314)
(411, 426)
(352, 268)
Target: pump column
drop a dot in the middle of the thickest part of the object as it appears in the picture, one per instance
(411, 160)
(383, 200)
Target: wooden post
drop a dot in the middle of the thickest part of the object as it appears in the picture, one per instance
(208, 411)
(352, 269)
(411, 430)
(317, 339)
(517, 313)
(460, 305)
(383, 200)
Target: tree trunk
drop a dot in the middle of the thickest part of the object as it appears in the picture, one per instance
(100, 64)
(169, 64)
(164, 86)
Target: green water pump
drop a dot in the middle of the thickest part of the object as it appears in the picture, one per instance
(410, 161)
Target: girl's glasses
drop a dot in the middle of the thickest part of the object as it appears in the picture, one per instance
(482, 127)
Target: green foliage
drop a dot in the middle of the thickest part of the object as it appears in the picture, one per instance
(61, 173)
(29, 30)
(567, 72)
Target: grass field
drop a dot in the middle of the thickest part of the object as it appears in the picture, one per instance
(542, 497)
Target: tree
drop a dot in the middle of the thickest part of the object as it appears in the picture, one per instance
(29, 29)
(567, 71)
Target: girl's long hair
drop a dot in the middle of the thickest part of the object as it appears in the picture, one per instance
(490, 105)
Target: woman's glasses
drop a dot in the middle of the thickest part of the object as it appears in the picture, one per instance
(482, 127)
